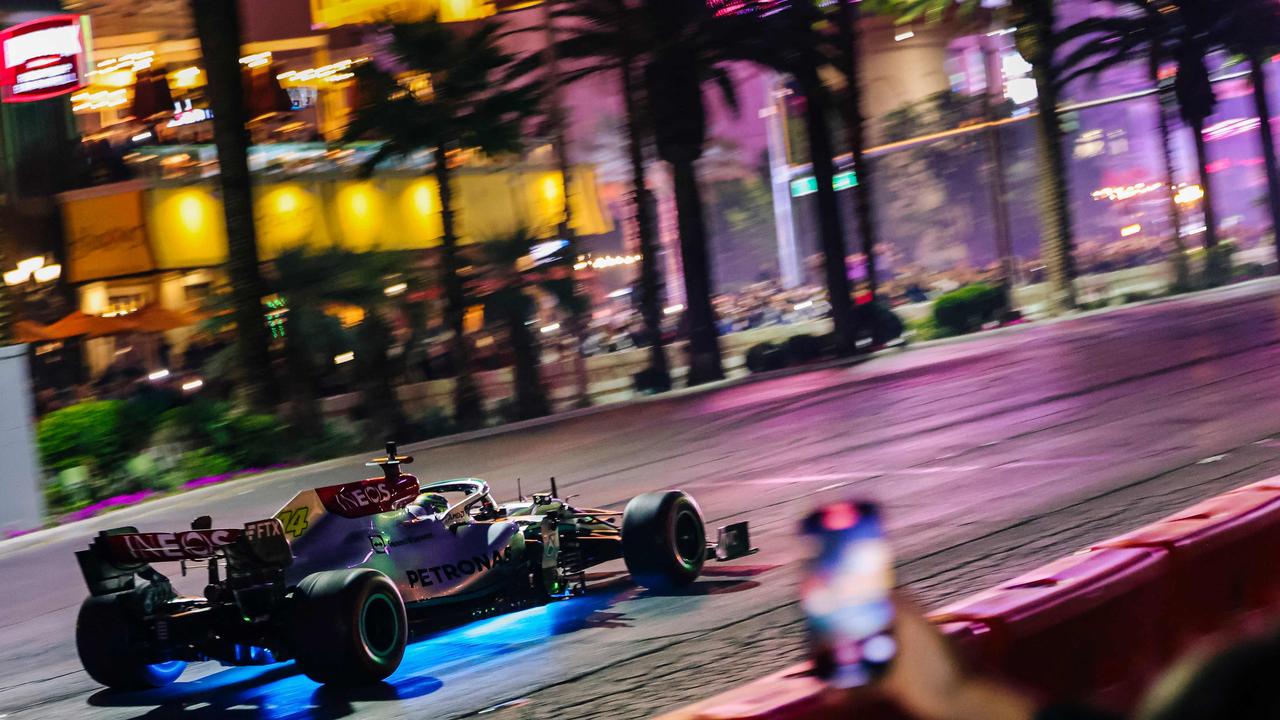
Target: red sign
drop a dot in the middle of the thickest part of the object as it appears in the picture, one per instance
(368, 497)
(44, 58)
(186, 545)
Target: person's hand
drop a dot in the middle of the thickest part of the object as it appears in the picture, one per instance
(928, 680)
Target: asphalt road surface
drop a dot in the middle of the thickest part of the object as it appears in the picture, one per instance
(990, 455)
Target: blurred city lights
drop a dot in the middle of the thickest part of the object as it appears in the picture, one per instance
(158, 375)
(906, 35)
(31, 264)
(546, 329)
(672, 309)
(1129, 230)
(192, 385)
(396, 289)
(1231, 128)
(1125, 192)
(47, 273)
(606, 261)
(1188, 194)
(345, 357)
(256, 60)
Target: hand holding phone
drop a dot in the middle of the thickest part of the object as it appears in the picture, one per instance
(847, 594)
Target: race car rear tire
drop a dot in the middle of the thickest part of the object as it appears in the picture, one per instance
(664, 542)
(108, 641)
(349, 627)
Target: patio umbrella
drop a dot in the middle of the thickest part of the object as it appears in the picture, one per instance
(81, 324)
(154, 318)
(28, 331)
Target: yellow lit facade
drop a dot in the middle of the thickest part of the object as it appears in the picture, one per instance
(131, 230)
(332, 13)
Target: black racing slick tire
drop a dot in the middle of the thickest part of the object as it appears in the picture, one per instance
(349, 627)
(664, 542)
(109, 642)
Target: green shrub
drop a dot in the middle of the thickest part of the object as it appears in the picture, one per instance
(201, 462)
(926, 329)
(434, 423)
(88, 430)
(333, 442)
(966, 309)
(881, 323)
(766, 356)
(1248, 271)
(256, 440)
(201, 423)
(69, 490)
(1217, 264)
(250, 439)
(140, 415)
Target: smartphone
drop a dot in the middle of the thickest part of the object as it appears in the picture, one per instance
(846, 594)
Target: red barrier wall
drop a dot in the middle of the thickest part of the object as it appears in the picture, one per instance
(1097, 625)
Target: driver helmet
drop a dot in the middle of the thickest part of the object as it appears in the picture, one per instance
(429, 504)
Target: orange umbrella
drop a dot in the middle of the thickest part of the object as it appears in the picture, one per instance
(154, 318)
(27, 331)
(78, 323)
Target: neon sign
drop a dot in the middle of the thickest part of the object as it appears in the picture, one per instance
(44, 58)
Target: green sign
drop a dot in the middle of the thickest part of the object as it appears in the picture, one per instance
(808, 185)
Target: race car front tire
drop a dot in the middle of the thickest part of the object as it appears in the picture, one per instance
(109, 644)
(664, 541)
(349, 627)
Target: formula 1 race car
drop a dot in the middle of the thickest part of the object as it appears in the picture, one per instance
(327, 581)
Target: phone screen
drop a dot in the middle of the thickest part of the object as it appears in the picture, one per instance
(846, 595)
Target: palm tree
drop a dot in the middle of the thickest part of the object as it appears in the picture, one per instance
(689, 47)
(310, 281)
(847, 14)
(506, 281)
(610, 36)
(556, 117)
(1252, 31)
(467, 102)
(1107, 42)
(1178, 31)
(1038, 45)
(790, 42)
(218, 26)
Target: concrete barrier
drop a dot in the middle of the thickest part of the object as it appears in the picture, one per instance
(23, 506)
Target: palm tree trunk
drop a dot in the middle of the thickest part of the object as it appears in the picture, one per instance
(650, 279)
(531, 396)
(1181, 273)
(467, 411)
(863, 208)
(304, 410)
(1206, 202)
(578, 313)
(704, 341)
(830, 226)
(218, 26)
(383, 406)
(1258, 76)
(1057, 242)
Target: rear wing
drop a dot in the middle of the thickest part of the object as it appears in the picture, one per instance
(118, 556)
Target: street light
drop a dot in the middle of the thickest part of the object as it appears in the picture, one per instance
(33, 268)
